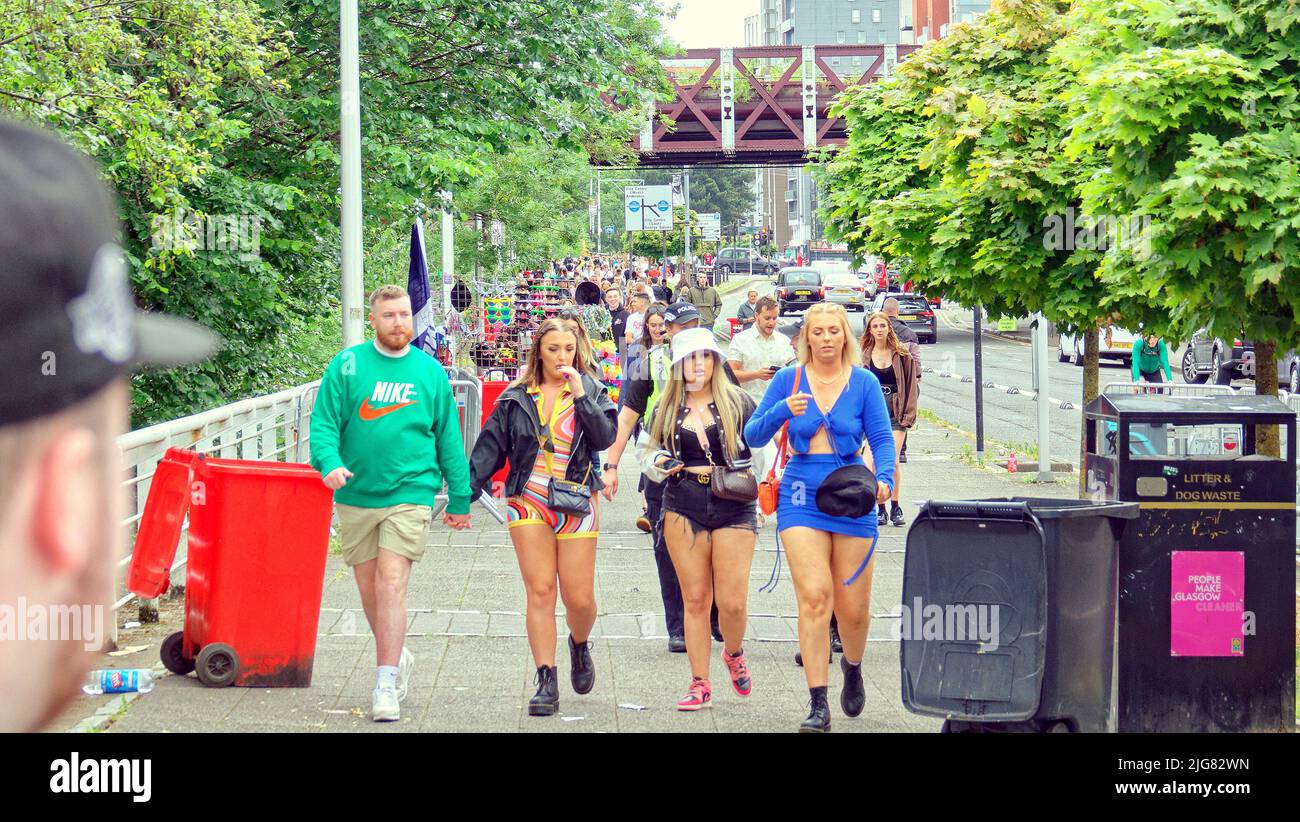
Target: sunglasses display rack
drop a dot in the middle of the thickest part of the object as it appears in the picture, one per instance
(541, 297)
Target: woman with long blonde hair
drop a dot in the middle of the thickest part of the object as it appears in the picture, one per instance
(549, 424)
(889, 359)
(698, 429)
(829, 404)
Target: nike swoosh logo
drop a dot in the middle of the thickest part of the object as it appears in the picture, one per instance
(366, 412)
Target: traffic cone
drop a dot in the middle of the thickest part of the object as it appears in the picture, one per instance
(1012, 465)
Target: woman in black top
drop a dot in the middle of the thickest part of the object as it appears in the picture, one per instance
(699, 423)
(889, 359)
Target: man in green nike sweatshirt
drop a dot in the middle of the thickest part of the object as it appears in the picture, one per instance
(385, 434)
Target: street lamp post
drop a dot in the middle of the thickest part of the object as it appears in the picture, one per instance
(350, 145)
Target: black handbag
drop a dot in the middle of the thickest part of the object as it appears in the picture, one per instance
(569, 497)
(729, 482)
(563, 496)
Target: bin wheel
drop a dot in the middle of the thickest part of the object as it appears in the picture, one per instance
(1059, 727)
(217, 665)
(173, 655)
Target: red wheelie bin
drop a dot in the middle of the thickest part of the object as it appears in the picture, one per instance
(258, 539)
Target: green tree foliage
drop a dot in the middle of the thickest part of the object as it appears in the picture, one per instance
(958, 165)
(199, 110)
(722, 190)
(1195, 105)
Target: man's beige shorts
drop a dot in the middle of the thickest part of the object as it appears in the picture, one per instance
(397, 528)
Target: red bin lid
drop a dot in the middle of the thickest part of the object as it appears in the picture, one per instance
(159, 533)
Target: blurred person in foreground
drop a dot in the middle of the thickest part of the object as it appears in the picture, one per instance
(74, 335)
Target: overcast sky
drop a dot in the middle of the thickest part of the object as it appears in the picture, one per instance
(709, 23)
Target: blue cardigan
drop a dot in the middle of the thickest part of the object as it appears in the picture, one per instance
(859, 413)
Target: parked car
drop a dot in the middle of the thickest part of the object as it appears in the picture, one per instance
(845, 288)
(798, 288)
(1112, 344)
(1211, 358)
(744, 260)
(870, 274)
(914, 311)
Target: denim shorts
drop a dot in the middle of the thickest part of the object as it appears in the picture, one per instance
(696, 502)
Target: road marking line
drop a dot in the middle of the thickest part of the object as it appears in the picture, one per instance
(1063, 405)
(949, 321)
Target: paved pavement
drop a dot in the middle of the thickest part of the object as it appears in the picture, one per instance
(474, 670)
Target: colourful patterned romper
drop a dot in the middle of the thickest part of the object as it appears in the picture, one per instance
(530, 507)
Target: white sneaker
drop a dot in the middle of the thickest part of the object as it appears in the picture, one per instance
(384, 706)
(404, 666)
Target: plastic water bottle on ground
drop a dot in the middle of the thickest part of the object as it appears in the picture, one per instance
(118, 681)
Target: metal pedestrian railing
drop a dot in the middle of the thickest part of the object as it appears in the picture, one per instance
(468, 391)
(1172, 389)
(272, 427)
(1293, 402)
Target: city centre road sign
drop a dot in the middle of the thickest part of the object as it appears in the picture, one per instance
(710, 226)
(648, 208)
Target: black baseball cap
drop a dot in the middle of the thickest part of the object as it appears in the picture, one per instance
(70, 325)
(681, 313)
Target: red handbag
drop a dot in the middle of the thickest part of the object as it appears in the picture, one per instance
(769, 490)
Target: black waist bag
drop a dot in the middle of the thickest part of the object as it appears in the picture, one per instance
(848, 491)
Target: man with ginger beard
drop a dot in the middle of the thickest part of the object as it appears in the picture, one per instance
(73, 336)
(384, 435)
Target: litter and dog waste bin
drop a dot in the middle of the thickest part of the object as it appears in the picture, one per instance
(1008, 618)
(1207, 608)
(258, 539)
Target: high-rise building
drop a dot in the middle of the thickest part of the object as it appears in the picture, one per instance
(932, 18)
(819, 23)
(829, 22)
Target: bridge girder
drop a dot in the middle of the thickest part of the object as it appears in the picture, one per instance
(732, 107)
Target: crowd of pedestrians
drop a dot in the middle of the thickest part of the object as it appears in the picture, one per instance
(695, 427)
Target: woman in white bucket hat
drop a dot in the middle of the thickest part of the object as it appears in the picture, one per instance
(709, 525)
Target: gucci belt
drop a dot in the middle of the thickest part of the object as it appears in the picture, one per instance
(703, 479)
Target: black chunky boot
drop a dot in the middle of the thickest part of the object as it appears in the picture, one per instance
(547, 700)
(582, 673)
(819, 717)
(837, 645)
(854, 695)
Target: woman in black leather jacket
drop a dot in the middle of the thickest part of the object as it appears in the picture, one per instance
(548, 425)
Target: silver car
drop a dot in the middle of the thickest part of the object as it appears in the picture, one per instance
(1210, 358)
(845, 288)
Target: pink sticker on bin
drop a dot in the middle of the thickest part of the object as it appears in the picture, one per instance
(1207, 600)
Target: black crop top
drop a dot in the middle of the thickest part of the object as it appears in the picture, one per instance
(888, 382)
(686, 442)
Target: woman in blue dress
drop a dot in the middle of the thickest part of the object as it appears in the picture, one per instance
(835, 405)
